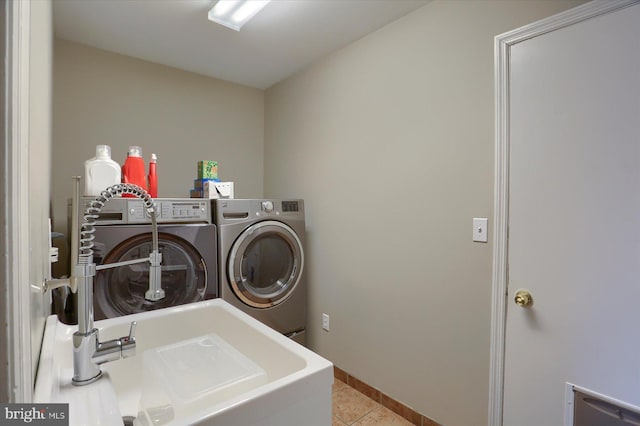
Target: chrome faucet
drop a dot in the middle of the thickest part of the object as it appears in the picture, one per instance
(88, 351)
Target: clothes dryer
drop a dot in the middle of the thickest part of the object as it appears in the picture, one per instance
(187, 240)
(261, 258)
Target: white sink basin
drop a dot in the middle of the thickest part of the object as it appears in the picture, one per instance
(288, 384)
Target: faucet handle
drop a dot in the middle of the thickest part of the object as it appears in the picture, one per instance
(132, 331)
(128, 343)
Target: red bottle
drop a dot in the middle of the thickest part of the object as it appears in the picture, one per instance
(153, 177)
(133, 170)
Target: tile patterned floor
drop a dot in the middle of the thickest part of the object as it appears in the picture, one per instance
(352, 408)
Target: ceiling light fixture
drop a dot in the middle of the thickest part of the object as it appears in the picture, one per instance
(235, 13)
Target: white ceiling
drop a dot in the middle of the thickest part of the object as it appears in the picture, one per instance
(285, 37)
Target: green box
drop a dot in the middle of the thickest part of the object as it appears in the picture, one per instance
(207, 169)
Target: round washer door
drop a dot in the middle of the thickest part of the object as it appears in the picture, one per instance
(120, 291)
(265, 264)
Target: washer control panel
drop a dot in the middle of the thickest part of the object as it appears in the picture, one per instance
(235, 210)
(118, 211)
(187, 210)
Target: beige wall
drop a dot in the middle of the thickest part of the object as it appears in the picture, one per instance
(390, 142)
(106, 98)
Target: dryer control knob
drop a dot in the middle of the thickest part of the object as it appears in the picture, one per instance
(267, 206)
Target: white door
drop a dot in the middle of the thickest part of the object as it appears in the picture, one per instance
(573, 217)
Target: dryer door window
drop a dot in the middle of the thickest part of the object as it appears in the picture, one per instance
(265, 264)
(120, 291)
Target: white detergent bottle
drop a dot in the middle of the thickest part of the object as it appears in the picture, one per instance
(100, 172)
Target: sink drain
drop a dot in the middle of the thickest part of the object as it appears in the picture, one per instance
(128, 420)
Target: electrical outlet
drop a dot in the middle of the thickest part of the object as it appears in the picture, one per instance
(325, 322)
(480, 225)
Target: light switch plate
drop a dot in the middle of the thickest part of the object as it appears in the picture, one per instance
(480, 225)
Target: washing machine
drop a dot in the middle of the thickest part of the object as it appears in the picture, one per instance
(187, 239)
(261, 258)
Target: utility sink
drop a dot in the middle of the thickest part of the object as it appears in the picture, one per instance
(205, 363)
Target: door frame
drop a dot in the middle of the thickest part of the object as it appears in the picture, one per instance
(15, 335)
(502, 52)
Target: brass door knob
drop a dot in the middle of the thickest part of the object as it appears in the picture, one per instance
(523, 298)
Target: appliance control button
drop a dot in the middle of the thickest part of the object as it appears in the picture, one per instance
(267, 206)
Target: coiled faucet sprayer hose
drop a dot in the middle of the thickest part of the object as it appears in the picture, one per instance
(91, 214)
